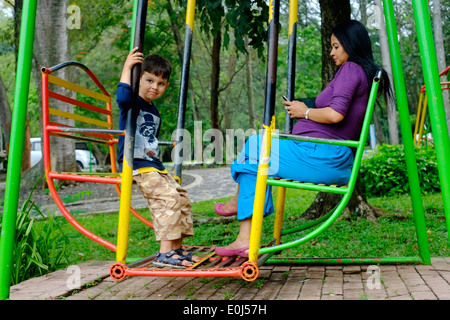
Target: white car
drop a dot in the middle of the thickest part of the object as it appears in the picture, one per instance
(82, 154)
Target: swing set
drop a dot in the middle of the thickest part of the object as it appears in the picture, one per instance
(100, 129)
(421, 128)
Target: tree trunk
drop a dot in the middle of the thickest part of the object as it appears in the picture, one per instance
(174, 24)
(51, 46)
(392, 113)
(356, 207)
(215, 74)
(440, 54)
(227, 110)
(249, 82)
(26, 160)
(380, 136)
(333, 12)
(18, 4)
(5, 114)
(363, 11)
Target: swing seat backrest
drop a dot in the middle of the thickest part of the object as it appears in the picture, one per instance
(86, 117)
(91, 117)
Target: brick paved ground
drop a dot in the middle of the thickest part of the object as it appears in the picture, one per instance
(276, 282)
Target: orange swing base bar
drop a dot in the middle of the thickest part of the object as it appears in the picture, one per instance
(210, 265)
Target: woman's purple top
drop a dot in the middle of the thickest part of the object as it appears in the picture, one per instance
(347, 94)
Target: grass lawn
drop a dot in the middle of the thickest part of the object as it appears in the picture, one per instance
(393, 234)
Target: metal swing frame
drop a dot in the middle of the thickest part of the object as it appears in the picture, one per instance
(432, 83)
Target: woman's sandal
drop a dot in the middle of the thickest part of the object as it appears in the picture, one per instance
(167, 260)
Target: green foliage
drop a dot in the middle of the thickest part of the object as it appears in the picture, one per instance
(76, 197)
(7, 28)
(243, 18)
(308, 79)
(39, 248)
(393, 235)
(385, 173)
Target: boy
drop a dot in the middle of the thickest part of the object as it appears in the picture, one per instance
(168, 202)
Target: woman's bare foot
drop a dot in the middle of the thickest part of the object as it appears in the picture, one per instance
(230, 206)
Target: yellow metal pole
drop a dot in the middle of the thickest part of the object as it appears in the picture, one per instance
(279, 215)
(190, 13)
(422, 119)
(124, 212)
(418, 119)
(268, 125)
(260, 196)
(293, 17)
(130, 131)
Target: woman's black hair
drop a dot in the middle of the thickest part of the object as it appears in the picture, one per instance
(355, 40)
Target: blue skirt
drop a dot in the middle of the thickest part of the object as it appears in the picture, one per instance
(296, 160)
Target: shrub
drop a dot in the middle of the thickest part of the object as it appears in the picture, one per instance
(37, 250)
(385, 173)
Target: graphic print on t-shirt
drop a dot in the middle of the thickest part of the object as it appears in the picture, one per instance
(146, 143)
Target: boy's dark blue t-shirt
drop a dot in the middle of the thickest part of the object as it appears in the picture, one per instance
(148, 124)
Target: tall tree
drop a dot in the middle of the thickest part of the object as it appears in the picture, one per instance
(51, 46)
(4, 104)
(227, 103)
(392, 114)
(5, 114)
(440, 53)
(249, 84)
(218, 18)
(332, 12)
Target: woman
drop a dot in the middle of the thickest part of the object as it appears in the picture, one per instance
(339, 114)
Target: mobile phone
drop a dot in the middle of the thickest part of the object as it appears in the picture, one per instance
(285, 99)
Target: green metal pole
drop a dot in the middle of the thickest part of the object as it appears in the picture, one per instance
(435, 100)
(133, 23)
(411, 164)
(19, 116)
(345, 260)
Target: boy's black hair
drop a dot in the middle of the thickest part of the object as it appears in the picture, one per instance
(158, 65)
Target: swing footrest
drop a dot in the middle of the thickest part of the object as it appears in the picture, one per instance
(210, 265)
(276, 181)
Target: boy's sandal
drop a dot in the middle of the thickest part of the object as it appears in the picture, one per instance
(167, 260)
(187, 257)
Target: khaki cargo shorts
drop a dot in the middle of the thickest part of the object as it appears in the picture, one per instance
(169, 204)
